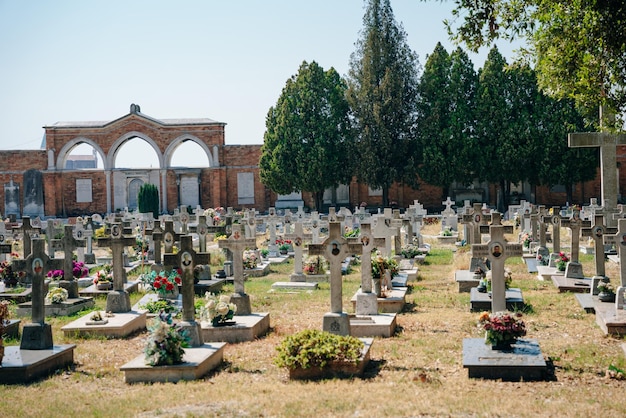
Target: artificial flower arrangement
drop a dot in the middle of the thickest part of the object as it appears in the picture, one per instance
(314, 265)
(380, 264)
(56, 295)
(79, 269)
(8, 274)
(502, 327)
(351, 232)
(283, 244)
(447, 232)
(543, 261)
(166, 343)
(508, 278)
(104, 275)
(217, 310)
(410, 251)
(214, 215)
(526, 239)
(562, 261)
(605, 287)
(250, 259)
(164, 283)
(55, 274)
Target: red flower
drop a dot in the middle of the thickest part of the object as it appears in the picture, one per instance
(157, 284)
(178, 281)
(169, 286)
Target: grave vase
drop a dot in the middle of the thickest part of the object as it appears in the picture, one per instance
(376, 284)
(104, 286)
(606, 297)
(173, 295)
(503, 345)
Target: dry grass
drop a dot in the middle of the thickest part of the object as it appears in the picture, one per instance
(418, 372)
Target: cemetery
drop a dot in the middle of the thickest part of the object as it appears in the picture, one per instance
(401, 315)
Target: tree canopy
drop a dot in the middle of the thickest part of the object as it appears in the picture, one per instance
(308, 137)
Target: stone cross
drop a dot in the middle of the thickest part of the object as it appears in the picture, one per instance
(554, 218)
(250, 224)
(497, 250)
(118, 300)
(366, 301)
(315, 222)
(169, 237)
(335, 249)
(157, 238)
(51, 230)
(28, 229)
(297, 240)
(68, 244)
(38, 334)
(619, 240)
(272, 220)
(474, 219)
(237, 244)
(384, 230)
(202, 230)
(186, 259)
(574, 268)
(596, 232)
(449, 203)
(607, 142)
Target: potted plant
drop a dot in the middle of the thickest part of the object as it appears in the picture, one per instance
(104, 278)
(607, 293)
(5, 313)
(312, 354)
(502, 329)
(218, 311)
(264, 252)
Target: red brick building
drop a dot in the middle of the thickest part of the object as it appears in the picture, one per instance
(230, 179)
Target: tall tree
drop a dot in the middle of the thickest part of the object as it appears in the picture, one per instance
(382, 92)
(308, 139)
(446, 123)
(578, 45)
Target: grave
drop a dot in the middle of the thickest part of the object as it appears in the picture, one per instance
(335, 249)
(524, 360)
(200, 357)
(612, 320)
(368, 321)
(247, 324)
(497, 250)
(297, 280)
(36, 356)
(122, 320)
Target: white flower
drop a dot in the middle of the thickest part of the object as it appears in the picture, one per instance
(222, 308)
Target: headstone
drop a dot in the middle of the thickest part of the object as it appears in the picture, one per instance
(69, 244)
(335, 249)
(236, 244)
(383, 230)
(366, 300)
(596, 233)
(449, 219)
(157, 238)
(202, 230)
(297, 239)
(118, 300)
(497, 250)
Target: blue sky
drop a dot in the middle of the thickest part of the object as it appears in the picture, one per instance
(81, 60)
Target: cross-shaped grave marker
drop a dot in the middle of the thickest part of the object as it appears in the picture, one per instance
(186, 259)
(553, 218)
(596, 232)
(384, 230)
(335, 249)
(202, 229)
(497, 250)
(29, 232)
(574, 269)
(619, 240)
(68, 244)
(272, 220)
(170, 237)
(366, 300)
(37, 335)
(118, 300)
(157, 238)
(237, 244)
(297, 240)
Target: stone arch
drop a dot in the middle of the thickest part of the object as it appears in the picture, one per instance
(69, 146)
(171, 148)
(117, 145)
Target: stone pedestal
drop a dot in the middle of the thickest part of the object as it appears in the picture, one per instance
(242, 301)
(379, 325)
(336, 323)
(480, 302)
(118, 301)
(36, 337)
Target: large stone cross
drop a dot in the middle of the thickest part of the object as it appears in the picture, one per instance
(118, 300)
(202, 229)
(384, 230)
(297, 240)
(597, 232)
(335, 249)
(68, 243)
(607, 142)
(366, 301)
(28, 229)
(186, 259)
(38, 334)
(237, 244)
(170, 236)
(497, 250)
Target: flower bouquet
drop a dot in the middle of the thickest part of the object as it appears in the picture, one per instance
(104, 277)
(508, 278)
(314, 265)
(502, 328)
(605, 287)
(526, 239)
(56, 295)
(562, 261)
(166, 343)
(79, 269)
(250, 259)
(164, 283)
(55, 274)
(217, 310)
(8, 274)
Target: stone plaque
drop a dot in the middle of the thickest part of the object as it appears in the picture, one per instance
(189, 195)
(84, 191)
(245, 188)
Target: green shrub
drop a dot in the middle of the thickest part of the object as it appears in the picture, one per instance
(148, 199)
(314, 348)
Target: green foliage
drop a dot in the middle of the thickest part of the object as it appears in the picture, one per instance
(308, 137)
(148, 199)
(382, 92)
(159, 305)
(314, 348)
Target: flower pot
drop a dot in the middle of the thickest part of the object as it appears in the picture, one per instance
(503, 346)
(104, 286)
(173, 295)
(377, 286)
(283, 252)
(606, 297)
